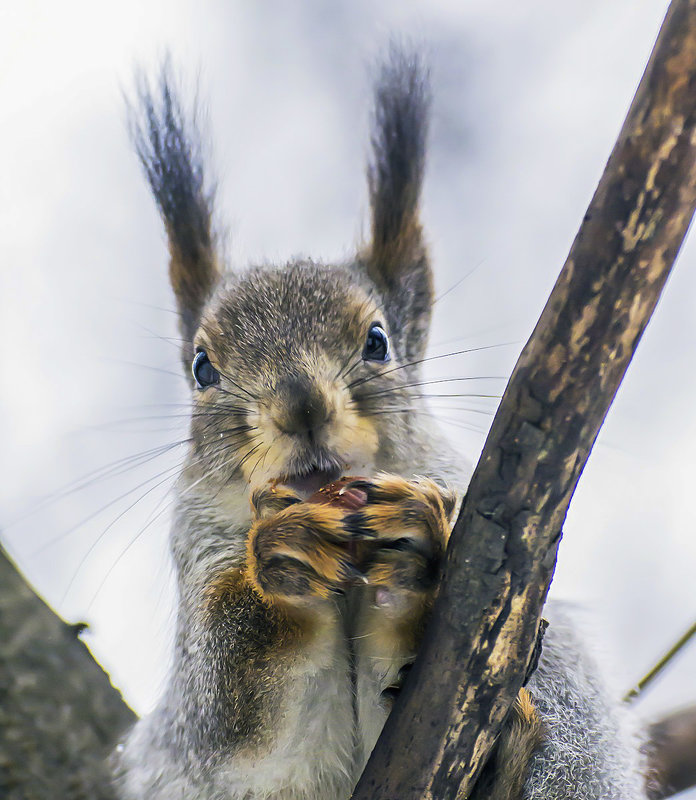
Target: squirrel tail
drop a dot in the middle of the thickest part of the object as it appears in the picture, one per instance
(504, 774)
(169, 146)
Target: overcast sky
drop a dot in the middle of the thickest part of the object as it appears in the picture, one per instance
(528, 101)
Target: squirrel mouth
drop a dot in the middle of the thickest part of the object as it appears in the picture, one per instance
(309, 482)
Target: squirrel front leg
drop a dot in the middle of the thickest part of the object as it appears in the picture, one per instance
(260, 703)
(275, 617)
(405, 525)
(409, 523)
(296, 554)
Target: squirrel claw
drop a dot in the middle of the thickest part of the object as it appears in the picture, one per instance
(352, 572)
(356, 525)
(361, 484)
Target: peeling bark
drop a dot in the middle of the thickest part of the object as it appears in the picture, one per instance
(503, 549)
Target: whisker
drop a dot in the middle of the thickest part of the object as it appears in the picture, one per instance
(407, 410)
(457, 394)
(342, 372)
(467, 426)
(251, 452)
(458, 283)
(101, 536)
(439, 418)
(89, 517)
(368, 378)
(238, 465)
(249, 396)
(212, 414)
(484, 332)
(142, 530)
(161, 370)
(174, 341)
(258, 461)
(233, 440)
(415, 384)
(106, 471)
(130, 301)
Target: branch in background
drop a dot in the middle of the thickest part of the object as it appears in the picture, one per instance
(672, 754)
(59, 714)
(662, 664)
(503, 549)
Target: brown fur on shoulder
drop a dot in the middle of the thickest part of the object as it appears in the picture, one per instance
(245, 637)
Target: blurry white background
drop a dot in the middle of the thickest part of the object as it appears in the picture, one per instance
(528, 101)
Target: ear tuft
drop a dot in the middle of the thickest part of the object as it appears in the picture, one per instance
(396, 259)
(395, 173)
(168, 144)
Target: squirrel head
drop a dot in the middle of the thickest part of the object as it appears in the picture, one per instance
(303, 372)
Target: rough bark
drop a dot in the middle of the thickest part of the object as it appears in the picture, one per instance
(59, 714)
(503, 549)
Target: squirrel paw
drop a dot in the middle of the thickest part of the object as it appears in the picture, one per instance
(407, 525)
(270, 499)
(297, 551)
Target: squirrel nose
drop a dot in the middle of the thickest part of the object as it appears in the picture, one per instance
(300, 407)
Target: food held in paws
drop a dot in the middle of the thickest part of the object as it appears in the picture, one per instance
(340, 493)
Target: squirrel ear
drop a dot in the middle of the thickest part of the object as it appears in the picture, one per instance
(396, 258)
(170, 151)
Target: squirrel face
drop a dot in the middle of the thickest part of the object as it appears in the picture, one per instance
(300, 371)
(291, 363)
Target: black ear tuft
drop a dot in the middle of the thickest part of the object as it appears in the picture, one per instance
(396, 259)
(169, 147)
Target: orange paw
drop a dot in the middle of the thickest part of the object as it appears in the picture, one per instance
(297, 550)
(405, 525)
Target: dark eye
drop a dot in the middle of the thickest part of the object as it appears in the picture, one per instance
(377, 344)
(203, 371)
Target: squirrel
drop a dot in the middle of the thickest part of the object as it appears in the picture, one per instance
(297, 620)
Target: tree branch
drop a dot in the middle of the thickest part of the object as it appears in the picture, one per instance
(503, 548)
(59, 714)
(672, 754)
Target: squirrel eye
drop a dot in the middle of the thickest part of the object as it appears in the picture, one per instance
(377, 344)
(203, 371)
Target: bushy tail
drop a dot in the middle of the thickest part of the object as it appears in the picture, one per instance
(504, 775)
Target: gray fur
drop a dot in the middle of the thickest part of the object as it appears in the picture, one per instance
(590, 749)
(248, 714)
